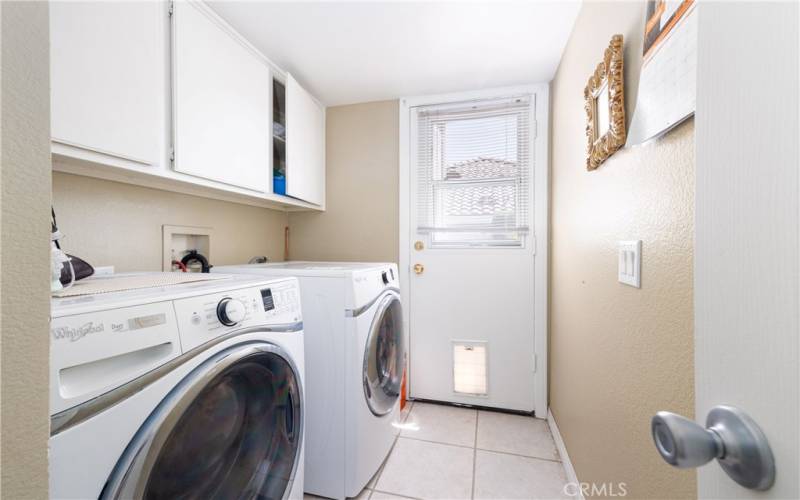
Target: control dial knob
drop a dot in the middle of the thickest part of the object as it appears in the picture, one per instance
(230, 311)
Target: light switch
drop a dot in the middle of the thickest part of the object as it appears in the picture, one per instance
(630, 263)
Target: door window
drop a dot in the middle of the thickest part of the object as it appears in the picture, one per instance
(473, 163)
(384, 357)
(237, 435)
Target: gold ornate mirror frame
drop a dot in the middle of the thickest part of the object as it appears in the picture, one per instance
(605, 131)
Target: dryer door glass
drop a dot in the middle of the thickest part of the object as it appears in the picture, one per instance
(231, 429)
(384, 357)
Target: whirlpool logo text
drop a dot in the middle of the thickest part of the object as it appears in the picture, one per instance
(75, 334)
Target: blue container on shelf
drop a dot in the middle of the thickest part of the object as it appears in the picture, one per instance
(279, 185)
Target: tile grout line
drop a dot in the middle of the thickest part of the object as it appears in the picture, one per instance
(520, 455)
(395, 494)
(474, 449)
(383, 465)
(433, 442)
(380, 469)
(475, 453)
(534, 457)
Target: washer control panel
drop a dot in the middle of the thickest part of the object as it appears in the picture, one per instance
(230, 311)
(202, 318)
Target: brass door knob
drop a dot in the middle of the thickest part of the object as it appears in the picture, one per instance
(419, 268)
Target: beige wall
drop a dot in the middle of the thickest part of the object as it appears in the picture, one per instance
(361, 221)
(618, 354)
(110, 223)
(24, 249)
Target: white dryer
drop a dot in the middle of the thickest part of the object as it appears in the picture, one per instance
(355, 356)
(186, 391)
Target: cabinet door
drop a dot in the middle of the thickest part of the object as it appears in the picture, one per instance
(107, 70)
(305, 145)
(221, 105)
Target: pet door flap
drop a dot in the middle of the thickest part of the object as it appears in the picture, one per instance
(470, 370)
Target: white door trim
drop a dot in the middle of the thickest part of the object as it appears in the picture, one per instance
(541, 186)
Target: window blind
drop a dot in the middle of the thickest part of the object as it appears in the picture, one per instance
(473, 168)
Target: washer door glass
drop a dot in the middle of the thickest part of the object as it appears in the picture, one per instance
(231, 431)
(384, 356)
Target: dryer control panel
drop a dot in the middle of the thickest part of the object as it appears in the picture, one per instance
(370, 283)
(201, 319)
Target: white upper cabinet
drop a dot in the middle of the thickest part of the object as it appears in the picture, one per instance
(305, 145)
(221, 101)
(170, 96)
(107, 79)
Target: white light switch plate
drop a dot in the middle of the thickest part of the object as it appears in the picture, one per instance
(630, 263)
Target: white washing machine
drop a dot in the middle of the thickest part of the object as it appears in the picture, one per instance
(186, 391)
(355, 357)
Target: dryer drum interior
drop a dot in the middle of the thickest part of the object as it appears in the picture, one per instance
(231, 429)
(384, 357)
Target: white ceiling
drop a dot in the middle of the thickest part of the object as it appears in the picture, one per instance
(348, 52)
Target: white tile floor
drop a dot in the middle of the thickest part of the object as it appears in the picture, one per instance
(444, 452)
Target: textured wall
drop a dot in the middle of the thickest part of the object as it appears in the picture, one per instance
(25, 250)
(619, 354)
(361, 220)
(110, 223)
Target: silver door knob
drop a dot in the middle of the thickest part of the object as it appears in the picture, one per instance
(730, 436)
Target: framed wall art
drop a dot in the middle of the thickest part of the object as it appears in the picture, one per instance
(604, 97)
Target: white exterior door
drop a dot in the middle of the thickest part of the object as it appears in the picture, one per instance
(474, 308)
(747, 253)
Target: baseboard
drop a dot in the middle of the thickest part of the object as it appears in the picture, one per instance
(569, 470)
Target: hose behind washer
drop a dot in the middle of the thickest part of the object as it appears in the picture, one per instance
(193, 256)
